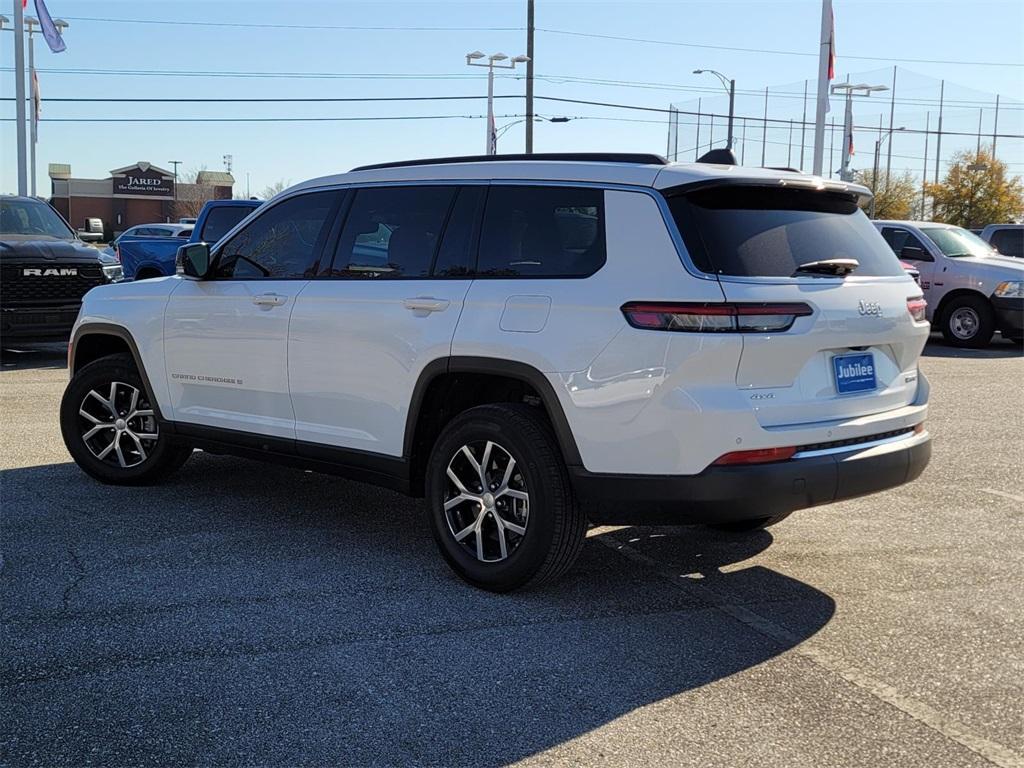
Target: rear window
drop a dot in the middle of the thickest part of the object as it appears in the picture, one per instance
(542, 232)
(770, 232)
(1009, 242)
(221, 220)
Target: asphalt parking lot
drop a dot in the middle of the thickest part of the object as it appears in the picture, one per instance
(250, 614)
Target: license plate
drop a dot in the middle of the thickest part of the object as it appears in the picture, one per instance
(854, 373)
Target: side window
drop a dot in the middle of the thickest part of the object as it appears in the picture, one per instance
(457, 253)
(284, 242)
(898, 239)
(222, 220)
(542, 232)
(392, 232)
(140, 232)
(184, 233)
(160, 232)
(1009, 242)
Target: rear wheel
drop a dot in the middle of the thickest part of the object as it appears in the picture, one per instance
(746, 526)
(968, 321)
(110, 427)
(501, 507)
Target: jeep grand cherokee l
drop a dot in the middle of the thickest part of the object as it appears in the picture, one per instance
(530, 342)
(46, 270)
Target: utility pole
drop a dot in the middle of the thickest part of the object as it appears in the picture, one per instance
(33, 135)
(924, 170)
(19, 94)
(892, 111)
(803, 127)
(730, 88)
(995, 129)
(764, 133)
(938, 136)
(696, 150)
(175, 163)
(824, 62)
(529, 77)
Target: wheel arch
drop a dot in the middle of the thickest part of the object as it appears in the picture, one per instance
(448, 386)
(94, 341)
(956, 293)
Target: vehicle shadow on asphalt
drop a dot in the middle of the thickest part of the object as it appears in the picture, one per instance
(999, 348)
(247, 613)
(40, 356)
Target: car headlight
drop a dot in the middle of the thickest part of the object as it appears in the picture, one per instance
(1010, 289)
(113, 272)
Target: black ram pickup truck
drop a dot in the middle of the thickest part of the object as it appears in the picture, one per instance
(45, 270)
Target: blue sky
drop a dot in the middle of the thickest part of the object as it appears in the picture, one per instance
(292, 151)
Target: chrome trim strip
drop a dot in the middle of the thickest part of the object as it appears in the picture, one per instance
(910, 439)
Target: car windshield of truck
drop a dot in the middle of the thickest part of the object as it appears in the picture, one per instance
(954, 241)
(32, 218)
(754, 231)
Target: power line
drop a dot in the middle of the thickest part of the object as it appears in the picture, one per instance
(255, 119)
(594, 35)
(258, 25)
(773, 51)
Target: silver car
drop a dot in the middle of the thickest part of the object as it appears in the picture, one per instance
(971, 289)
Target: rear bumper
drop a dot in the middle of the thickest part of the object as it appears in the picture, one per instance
(1009, 315)
(733, 493)
(25, 324)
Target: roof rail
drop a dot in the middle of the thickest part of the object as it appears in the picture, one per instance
(578, 157)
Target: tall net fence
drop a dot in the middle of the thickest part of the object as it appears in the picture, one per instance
(774, 126)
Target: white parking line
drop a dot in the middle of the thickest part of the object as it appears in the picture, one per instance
(952, 729)
(1004, 494)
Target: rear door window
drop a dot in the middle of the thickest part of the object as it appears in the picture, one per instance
(1009, 242)
(770, 232)
(542, 232)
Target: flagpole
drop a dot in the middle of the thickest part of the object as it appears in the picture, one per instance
(19, 94)
(34, 136)
(824, 56)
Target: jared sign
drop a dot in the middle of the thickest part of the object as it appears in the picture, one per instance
(143, 183)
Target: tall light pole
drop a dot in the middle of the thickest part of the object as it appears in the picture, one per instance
(851, 90)
(472, 59)
(175, 163)
(19, 94)
(878, 149)
(730, 87)
(32, 22)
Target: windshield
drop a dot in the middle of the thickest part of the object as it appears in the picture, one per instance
(954, 241)
(769, 232)
(32, 218)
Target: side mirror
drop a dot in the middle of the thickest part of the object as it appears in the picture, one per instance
(913, 253)
(193, 260)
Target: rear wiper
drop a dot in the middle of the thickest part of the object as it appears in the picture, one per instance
(831, 267)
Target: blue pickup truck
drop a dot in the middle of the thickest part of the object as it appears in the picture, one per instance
(146, 257)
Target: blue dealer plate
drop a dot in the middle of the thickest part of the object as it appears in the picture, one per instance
(854, 373)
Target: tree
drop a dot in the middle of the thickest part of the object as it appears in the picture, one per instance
(278, 186)
(189, 196)
(895, 196)
(977, 191)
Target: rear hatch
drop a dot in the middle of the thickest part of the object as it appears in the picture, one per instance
(855, 353)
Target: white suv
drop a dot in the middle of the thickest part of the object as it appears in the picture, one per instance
(531, 342)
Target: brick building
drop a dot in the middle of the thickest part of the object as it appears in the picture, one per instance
(140, 193)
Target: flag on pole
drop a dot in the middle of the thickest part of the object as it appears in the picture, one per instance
(831, 53)
(37, 106)
(49, 29)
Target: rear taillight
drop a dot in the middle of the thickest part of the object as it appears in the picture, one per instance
(759, 456)
(714, 318)
(916, 307)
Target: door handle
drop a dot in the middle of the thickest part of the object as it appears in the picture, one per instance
(426, 304)
(269, 300)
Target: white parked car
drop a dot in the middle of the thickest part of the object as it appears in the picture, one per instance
(530, 342)
(971, 290)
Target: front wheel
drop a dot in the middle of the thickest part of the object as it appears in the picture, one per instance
(110, 427)
(968, 321)
(500, 503)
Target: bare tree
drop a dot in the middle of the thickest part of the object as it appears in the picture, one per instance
(190, 197)
(277, 187)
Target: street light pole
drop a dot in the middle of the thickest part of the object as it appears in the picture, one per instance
(471, 60)
(19, 94)
(878, 151)
(851, 90)
(175, 163)
(730, 87)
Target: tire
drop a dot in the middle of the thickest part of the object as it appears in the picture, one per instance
(968, 322)
(547, 527)
(86, 406)
(749, 526)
